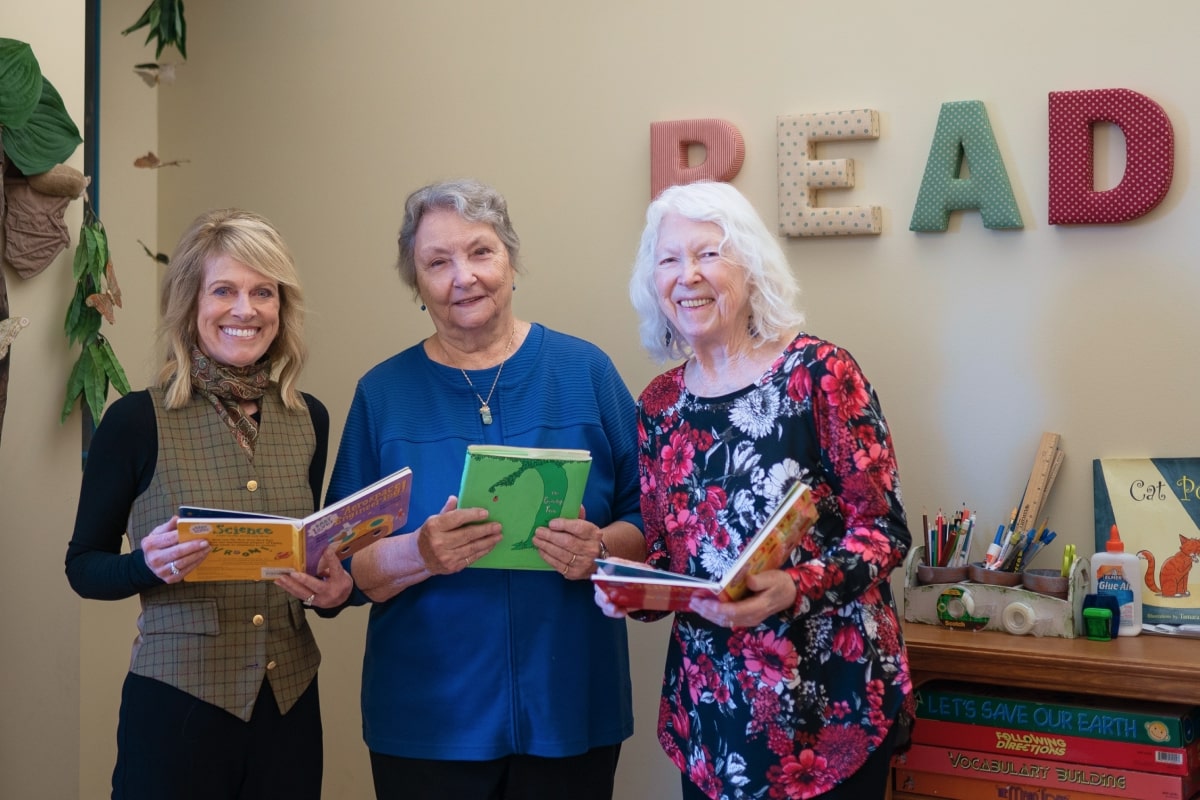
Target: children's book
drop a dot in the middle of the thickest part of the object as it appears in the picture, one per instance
(1102, 780)
(1153, 503)
(252, 547)
(1057, 746)
(522, 488)
(633, 585)
(910, 783)
(1158, 724)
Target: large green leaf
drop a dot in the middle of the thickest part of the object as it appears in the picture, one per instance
(75, 383)
(20, 82)
(95, 380)
(113, 367)
(83, 321)
(47, 139)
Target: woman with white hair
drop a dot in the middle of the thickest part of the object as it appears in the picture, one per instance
(802, 688)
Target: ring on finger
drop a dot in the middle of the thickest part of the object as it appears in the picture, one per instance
(174, 569)
(309, 600)
(573, 557)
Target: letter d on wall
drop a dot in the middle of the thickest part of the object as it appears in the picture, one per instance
(1149, 156)
(724, 150)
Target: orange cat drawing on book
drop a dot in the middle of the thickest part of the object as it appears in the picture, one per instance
(1175, 570)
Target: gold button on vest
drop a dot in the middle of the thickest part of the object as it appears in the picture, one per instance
(270, 665)
(252, 485)
(258, 620)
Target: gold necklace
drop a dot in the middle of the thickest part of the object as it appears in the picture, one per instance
(485, 411)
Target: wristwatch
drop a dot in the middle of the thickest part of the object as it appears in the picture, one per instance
(603, 548)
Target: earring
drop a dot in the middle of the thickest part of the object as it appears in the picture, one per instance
(423, 307)
(667, 338)
(514, 287)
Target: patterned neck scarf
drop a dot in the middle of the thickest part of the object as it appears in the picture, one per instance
(226, 388)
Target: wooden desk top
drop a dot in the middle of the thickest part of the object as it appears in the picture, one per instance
(1142, 667)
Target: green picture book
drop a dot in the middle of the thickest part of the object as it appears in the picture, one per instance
(522, 488)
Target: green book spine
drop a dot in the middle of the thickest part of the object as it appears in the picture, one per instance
(1161, 724)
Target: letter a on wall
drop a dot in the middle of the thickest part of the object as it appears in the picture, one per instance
(1149, 156)
(723, 146)
(963, 130)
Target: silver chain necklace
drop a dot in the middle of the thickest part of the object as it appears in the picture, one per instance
(485, 411)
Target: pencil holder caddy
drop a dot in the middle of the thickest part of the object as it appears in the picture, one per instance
(988, 604)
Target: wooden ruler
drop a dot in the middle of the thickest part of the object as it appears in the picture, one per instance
(1045, 469)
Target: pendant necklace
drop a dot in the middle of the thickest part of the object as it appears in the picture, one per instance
(485, 411)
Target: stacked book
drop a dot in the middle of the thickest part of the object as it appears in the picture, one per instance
(975, 742)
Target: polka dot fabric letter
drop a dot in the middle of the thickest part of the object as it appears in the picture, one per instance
(1149, 156)
(801, 175)
(964, 130)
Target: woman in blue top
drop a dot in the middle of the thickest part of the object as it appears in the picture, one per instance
(484, 683)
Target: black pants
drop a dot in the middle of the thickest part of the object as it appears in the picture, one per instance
(171, 745)
(868, 783)
(583, 777)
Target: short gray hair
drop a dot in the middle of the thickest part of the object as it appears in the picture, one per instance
(772, 287)
(474, 201)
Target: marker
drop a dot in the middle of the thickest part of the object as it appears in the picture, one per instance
(993, 551)
(964, 553)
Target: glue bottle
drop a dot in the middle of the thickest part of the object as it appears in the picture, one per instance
(1117, 574)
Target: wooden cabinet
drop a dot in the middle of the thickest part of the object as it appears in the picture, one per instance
(1141, 667)
(1159, 668)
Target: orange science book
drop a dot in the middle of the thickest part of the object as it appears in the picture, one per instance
(633, 585)
(255, 547)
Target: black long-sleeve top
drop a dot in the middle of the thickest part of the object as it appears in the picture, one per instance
(120, 465)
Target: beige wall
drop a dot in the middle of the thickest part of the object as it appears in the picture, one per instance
(39, 474)
(324, 115)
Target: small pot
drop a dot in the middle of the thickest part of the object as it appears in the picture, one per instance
(981, 574)
(1046, 581)
(928, 574)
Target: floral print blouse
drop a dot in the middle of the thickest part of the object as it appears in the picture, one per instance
(791, 708)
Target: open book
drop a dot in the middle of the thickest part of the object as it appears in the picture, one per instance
(633, 585)
(261, 547)
(522, 488)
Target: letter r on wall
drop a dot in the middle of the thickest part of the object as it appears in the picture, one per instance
(724, 152)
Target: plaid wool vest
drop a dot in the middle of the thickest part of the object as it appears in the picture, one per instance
(218, 640)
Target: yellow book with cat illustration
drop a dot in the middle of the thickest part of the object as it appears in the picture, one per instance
(1155, 503)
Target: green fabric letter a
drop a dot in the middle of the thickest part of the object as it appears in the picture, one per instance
(963, 129)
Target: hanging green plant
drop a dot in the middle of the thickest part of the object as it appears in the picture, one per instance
(96, 292)
(165, 20)
(38, 136)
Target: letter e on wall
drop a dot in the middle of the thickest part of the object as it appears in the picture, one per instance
(801, 175)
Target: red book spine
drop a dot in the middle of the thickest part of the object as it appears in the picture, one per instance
(960, 787)
(653, 596)
(999, 741)
(1106, 781)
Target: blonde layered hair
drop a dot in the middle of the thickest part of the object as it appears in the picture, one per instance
(252, 240)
